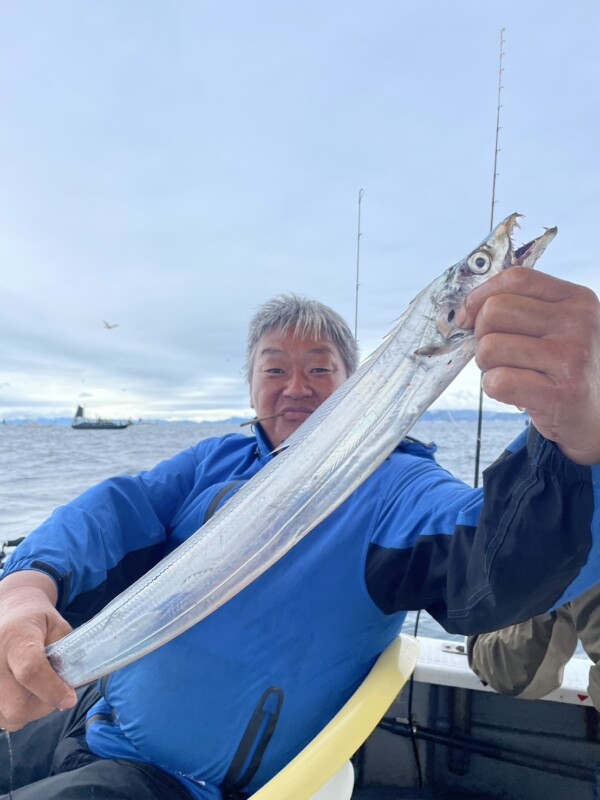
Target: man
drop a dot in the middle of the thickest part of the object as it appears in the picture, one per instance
(528, 660)
(221, 708)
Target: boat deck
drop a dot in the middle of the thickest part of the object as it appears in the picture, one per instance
(473, 744)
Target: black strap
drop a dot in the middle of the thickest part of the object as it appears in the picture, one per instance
(257, 736)
(214, 503)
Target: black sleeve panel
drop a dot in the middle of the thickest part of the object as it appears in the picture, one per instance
(84, 606)
(532, 538)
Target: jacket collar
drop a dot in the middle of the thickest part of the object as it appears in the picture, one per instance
(263, 445)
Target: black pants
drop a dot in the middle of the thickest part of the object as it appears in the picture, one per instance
(50, 761)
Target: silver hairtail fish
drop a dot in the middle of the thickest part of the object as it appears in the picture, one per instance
(319, 466)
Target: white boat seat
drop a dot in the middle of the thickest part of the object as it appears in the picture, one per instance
(322, 771)
(339, 787)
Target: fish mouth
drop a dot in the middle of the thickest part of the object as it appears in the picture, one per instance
(526, 254)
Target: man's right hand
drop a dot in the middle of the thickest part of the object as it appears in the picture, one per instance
(29, 687)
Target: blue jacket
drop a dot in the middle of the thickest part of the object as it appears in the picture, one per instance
(240, 693)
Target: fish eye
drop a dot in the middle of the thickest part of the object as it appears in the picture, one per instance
(479, 262)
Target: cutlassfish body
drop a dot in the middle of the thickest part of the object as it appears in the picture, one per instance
(316, 469)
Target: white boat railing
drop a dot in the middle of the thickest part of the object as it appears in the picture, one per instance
(445, 663)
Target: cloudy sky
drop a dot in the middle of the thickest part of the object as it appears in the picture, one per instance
(168, 166)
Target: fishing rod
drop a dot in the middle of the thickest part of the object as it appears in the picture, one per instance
(496, 151)
(358, 235)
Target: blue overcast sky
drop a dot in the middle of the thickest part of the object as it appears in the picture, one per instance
(168, 166)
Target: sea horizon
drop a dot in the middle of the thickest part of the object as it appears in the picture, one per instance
(431, 415)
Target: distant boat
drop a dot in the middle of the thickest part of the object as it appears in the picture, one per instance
(81, 423)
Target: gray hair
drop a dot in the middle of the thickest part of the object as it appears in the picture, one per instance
(307, 318)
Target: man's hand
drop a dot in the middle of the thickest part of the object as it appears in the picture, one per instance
(29, 687)
(539, 347)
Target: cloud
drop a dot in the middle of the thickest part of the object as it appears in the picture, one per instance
(172, 172)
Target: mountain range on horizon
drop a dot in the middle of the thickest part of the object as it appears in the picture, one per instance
(459, 414)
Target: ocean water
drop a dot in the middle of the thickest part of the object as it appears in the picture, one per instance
(42, 467)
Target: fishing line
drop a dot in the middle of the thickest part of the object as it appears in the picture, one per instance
(457, 425)
(11, 765)
(411, 728)
(496, 151)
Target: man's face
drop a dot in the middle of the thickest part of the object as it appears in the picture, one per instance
(294, 376)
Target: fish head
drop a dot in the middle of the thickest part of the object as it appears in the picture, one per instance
(495, 253)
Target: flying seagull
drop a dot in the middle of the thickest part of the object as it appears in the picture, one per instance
(108, 326)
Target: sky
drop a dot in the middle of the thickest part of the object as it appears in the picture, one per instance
(167, 167)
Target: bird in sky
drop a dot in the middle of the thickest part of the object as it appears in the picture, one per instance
(108, 326)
